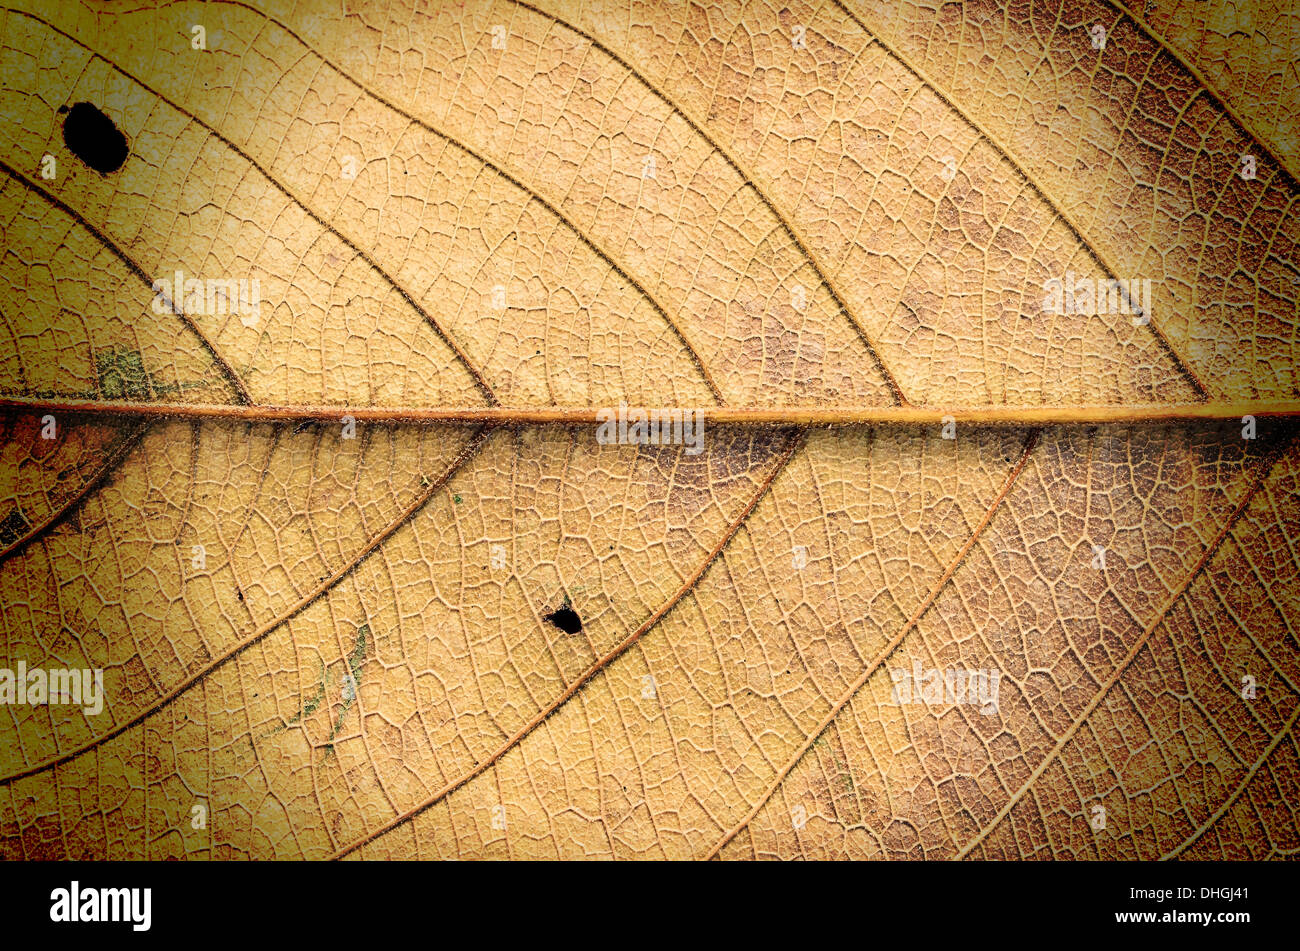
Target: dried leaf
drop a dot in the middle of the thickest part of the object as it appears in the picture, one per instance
(946, 574)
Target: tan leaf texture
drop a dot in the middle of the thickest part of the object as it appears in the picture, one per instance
(940, 571)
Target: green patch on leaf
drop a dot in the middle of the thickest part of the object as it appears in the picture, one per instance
(122, 375)
(353, 683)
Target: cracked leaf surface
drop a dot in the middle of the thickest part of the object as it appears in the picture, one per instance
(350, 636)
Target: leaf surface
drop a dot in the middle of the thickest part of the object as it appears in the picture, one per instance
(362, 581)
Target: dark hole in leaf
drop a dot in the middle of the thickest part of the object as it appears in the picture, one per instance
(566, 619)
(92, 137)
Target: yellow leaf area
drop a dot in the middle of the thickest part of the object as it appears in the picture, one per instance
(310, 314)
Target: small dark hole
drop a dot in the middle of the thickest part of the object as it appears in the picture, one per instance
(92, 137)
(566, 619)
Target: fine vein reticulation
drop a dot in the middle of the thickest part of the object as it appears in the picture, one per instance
(315, 548)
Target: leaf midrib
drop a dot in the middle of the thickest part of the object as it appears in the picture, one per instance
(732, 414)
(756, 415)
